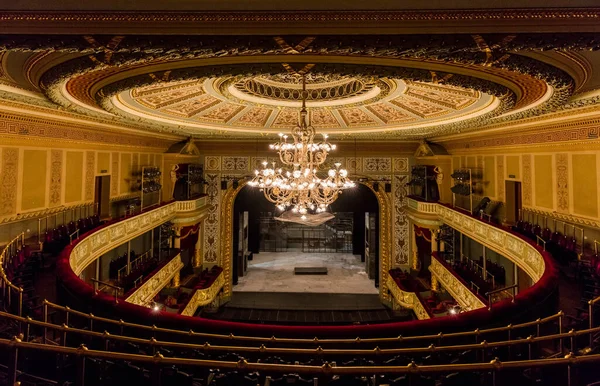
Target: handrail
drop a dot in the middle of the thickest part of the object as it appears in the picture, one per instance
(489, 294)
(6, 295)
(15, 345)
(116, 288)
(317, 341)
(538, 239)
(318, 350)
(591, 305)
(71, 236)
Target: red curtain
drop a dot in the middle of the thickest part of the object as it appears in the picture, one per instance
(189, 237)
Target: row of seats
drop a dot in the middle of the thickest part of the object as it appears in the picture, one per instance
(495, 269)
(59, 237)
(206, 278)
(472, 275)
(562, 247)
(138, 271)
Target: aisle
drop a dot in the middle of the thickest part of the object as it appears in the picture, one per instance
(274, 272)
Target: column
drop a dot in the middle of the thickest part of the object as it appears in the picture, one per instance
(198, 248)
(128, 257)
(484, 263)
(177, 242)
(434, 246)
(176, 245)
(415, 264)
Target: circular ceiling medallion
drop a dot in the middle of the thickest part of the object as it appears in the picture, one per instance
(271, 103)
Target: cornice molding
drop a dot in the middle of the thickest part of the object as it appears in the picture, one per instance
(236, 22)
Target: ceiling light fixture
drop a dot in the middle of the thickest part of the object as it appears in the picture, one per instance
(299, 187)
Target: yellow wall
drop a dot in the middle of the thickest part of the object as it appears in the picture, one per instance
(103, 163)
(513, 165)
(543, 181)
(74, 177)
(489, 171)
(125, 173)
(36, 179)
(33, 182)
(585, 185)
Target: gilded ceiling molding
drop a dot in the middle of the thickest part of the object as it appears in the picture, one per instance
(17, 125)
(462, 52)
(366, 21)
(573, 133)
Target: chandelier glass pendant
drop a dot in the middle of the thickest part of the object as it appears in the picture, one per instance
(300, 185)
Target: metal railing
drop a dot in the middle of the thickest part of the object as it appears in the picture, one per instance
(156, 361)
(591, 305)
(540, 240)
(106, 338)
(9, 289)
(134, 263)
(116, 289)
(476, 334)
(498, 290)
(76, 233)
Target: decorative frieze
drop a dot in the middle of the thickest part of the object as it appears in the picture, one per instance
(400, 242)
(55, 188)
(8, 181)
(235, 164)
(90, 167)
(377, 165)
(562, 182)
(527, 190)
(211, 234)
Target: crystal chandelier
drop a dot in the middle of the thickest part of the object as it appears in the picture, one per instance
(297, 186)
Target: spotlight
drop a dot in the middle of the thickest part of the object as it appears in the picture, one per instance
(224, 185)
(376, 186)
(235, 184)
(388, 187)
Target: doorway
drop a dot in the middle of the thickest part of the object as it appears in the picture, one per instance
(102, 197)
(513, 202)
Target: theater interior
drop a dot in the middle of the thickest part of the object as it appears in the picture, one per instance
(324, 193)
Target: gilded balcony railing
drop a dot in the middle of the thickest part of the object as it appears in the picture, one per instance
(465, 297)
(509, 245)
(407, 299)
(144, 294)
(204, 296)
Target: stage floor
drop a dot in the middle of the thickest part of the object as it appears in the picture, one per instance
(274, 272)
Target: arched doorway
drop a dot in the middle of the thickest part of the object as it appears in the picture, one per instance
(357, 209)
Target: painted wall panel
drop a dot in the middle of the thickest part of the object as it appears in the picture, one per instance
(489, 176)
(542, 179)
(103, 163)
(74, 177)
(33, 182)
(585, 185)
(513, 166)
(125, 173)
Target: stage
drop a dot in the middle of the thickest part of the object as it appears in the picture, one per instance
(274, 272)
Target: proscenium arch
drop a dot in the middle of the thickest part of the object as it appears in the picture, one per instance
(384, 201)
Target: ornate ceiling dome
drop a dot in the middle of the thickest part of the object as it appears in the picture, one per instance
(271, 104)
(226, 87)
